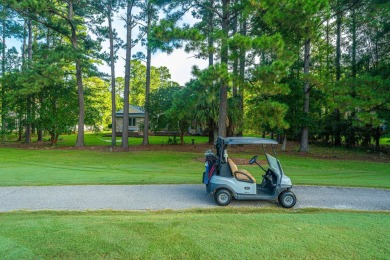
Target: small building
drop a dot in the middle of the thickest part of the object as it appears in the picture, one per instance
(136, 119)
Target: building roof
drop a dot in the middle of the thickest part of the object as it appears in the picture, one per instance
(134, 111)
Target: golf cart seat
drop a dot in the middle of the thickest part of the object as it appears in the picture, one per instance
(241, 174)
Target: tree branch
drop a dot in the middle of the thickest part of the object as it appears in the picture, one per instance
(354, 3)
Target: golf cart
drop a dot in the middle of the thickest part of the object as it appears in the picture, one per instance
(225, 181)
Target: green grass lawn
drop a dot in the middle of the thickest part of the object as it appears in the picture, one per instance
(100, 139)
(66, 167)
(79, 167)
(385, 140)
(93, 139)
(196, 234)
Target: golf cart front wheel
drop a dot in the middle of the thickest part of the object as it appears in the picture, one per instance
(287, 199)
(223, 197)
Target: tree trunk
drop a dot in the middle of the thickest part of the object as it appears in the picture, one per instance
(231, 131)
(224, 62)
(112, 65)
(242, 78)
(235, 60)
(147, 90)
(41, 98)
(20, 129)
(28, 101)
(33, 114)
(211, 130)
(125, 127)
(377, 138)
(39, 126)
(337, 132)
(79, 77)
(284, 146)
(305, 129)
(3, 102)
(52, 139)
(182, 132)
(21, 109)
(211, 121)
(327, 47)
(211, 35)
(351, 138)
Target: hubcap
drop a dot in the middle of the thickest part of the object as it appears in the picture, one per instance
(223, 198)
(288, 200)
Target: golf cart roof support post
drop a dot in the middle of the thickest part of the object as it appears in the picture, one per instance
(273, 149)
(261, 166)
(263, 146)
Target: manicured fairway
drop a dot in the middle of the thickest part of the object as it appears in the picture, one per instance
(58, 167)
(196, 234)
(79, 167)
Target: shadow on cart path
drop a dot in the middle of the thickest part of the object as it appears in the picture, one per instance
(183, 196)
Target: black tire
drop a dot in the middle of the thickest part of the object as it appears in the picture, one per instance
(287, 199)
(223, 197)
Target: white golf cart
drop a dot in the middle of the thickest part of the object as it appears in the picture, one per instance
(225, 181)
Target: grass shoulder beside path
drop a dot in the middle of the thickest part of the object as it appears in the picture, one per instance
(21, 167)
(196, 234)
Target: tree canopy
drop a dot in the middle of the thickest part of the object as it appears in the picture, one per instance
(300, 69)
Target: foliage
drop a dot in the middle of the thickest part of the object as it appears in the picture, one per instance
(181, 113)
(259, 78)
(160, 102)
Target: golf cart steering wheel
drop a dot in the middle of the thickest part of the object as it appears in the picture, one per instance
(253, 160)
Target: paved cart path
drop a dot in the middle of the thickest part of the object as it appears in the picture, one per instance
(154, 197)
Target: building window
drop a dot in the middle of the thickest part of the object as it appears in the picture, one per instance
(132, 121)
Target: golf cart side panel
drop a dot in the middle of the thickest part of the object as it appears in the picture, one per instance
(213, 187)
(238, 187)
(286, 182)
(261, 195)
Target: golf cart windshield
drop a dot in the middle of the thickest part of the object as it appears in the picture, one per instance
(274, 164)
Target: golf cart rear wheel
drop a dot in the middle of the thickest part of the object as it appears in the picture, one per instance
(287, 199)
(223, 197)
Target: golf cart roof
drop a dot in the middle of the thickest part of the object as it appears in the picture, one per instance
(248, 140)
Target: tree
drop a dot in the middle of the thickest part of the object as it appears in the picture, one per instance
(207, 10)
(107, 9)
(8, 28)
(129, 45)
(149, 15)
(361, 89)
(68, 20)
(180, 115)
(160, 102)
(206, 98)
